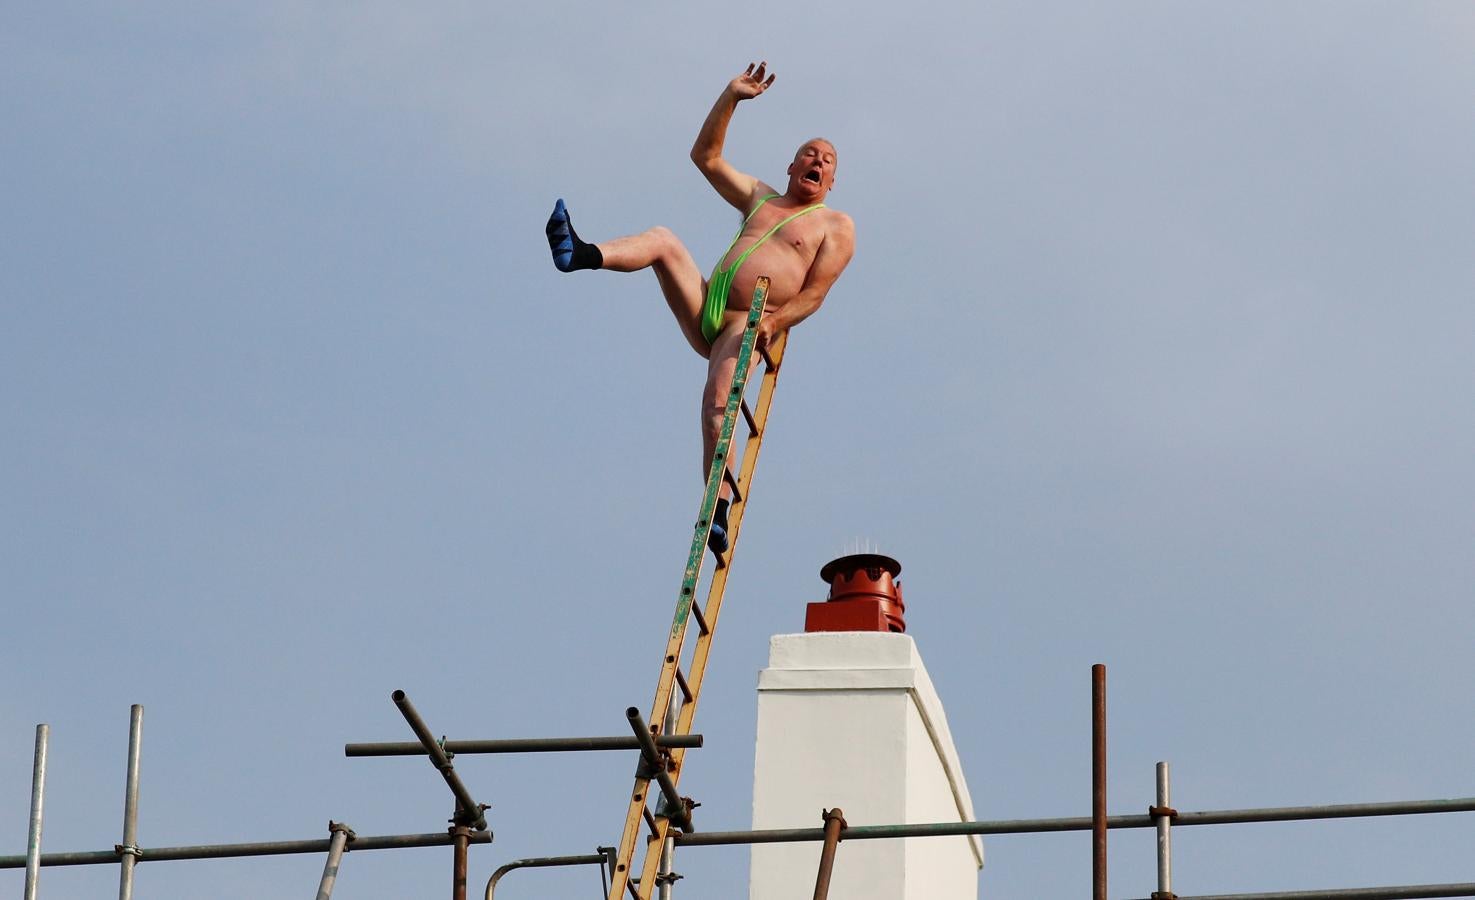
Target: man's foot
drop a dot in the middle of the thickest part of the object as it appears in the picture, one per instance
(717, 538)
(569, 253)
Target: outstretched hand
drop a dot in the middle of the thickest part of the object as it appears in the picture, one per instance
(751, 83)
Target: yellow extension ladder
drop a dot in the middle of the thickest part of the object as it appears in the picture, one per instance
(663, 765)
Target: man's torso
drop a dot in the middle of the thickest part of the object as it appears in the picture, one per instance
(785, 257)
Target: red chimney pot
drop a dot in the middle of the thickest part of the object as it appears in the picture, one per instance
(864, 596)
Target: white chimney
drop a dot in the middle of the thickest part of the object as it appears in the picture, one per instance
(850, 719)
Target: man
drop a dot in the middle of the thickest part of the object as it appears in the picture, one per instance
(792, 237)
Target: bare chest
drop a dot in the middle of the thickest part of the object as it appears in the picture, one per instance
(773, 232)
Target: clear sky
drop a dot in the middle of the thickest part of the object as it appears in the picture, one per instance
(1155, 352)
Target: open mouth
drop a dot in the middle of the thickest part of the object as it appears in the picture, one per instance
(812, 176)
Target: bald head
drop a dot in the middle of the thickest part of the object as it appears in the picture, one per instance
(817, 141)
(812, 173)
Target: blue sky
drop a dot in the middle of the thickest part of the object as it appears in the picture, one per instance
(1155, 352)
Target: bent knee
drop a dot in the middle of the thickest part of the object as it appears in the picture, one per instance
(673, 252)
(664, 237)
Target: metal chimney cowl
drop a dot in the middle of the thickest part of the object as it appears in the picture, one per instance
(864, 596)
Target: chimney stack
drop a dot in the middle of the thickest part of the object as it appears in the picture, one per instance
(848, 717)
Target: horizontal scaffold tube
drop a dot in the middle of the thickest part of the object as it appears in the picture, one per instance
(520, 745)
(1403, 892)
(1083, 823)
(262, 848)
(596, 859)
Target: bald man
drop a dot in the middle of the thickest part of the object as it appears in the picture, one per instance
(791, 236)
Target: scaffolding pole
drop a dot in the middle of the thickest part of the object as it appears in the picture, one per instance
(1080, 823)
(460, 840)
(675, 807)
(666, 875)
(128, 850)
(38, 802)
(468, 811)
(258, 848)
(519, 745)
(834, 824)
(1098, 782)
(341, 835)
(1163, 813)
(1397, 892)
(1155, 819)
(593, 859)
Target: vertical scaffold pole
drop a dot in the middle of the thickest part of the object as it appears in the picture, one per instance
(666, 873)
(1098, 781)
(666, 869)
(461, 837)
(834, 824)
(1163, 813)
(38, 800)
(128, 850)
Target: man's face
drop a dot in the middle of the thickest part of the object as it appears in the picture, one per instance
(812, 173)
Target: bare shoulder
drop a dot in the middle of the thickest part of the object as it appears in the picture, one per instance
(839, 226)
(762, 190)
(838, 219)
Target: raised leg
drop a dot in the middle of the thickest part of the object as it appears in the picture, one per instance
(657, 249)
(681, 281)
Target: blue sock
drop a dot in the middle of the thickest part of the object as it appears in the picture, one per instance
(717, 539)
(569, 253)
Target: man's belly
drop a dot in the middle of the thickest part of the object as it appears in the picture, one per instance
(785, 273)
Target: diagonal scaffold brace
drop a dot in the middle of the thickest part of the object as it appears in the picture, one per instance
(672, 713)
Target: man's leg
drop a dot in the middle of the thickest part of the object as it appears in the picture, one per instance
(657, 249)
(721, 366)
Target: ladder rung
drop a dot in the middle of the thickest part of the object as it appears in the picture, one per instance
(701, 618)
(737, 495)
(633, 886)
(650, 820)
(748, 414)
(681, 681)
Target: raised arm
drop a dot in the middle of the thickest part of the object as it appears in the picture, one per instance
(735, 187)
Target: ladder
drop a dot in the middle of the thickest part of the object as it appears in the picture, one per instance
(666, 768)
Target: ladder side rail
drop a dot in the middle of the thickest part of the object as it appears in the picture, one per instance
(713, 607)
(637, 812)
(703, 529)
(653, 858)
(718, 589)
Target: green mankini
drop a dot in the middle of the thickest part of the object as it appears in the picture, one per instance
(721, 281)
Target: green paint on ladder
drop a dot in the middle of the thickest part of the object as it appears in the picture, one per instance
(719, 462)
